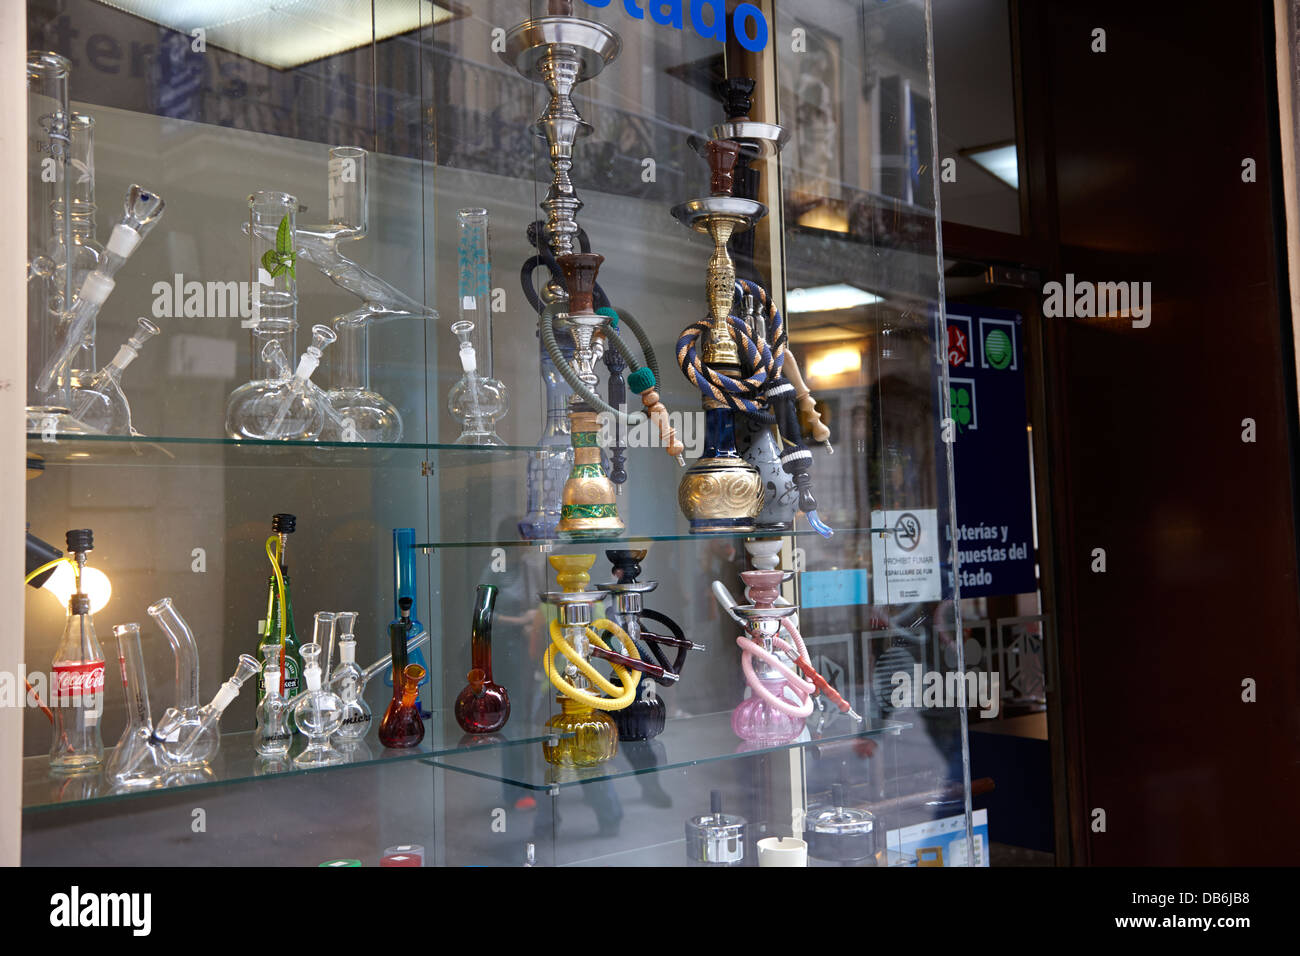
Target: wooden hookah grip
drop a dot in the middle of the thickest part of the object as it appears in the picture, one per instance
(809, 418)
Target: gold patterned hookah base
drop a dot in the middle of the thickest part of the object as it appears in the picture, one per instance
(720, 495)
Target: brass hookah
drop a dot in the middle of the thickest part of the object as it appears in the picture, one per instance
(561, 50)
(754, 396)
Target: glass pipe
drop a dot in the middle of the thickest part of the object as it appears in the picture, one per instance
(77, 677)
(549, 466)
(483, 707)
(345, 623)
(98, 401)
(317, 713)
(324, 624)
(587, 735)
(183, 715)
(75, 260)
(206, 730)
(141, 210)
(479, 402)
(137, 762)
(406, 585)
(349, 681)
(49, 187)
(272, 735)
(283, 408)
(401, 725)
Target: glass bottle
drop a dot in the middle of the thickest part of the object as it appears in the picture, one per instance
(549, 466)
(77, 692)
(483, 706)
(405, 586)
(279, 630)
(137, 762)
(272, 735)
(318, 714)
(478, 400)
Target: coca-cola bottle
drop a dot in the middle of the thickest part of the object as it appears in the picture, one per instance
(77, 694)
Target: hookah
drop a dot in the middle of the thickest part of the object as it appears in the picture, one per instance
(781, 698)
(644, 718)
(356, 412)
(138, 762)
(739, 361)
(99, 401)
(349, 681)
(478, 400)
(561, 50)
(141, 210)
(586, 734)
(318, 713)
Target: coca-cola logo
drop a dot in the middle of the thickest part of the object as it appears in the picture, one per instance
(78, 679)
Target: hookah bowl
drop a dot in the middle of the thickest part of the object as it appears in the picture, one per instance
(585, 735)
(589, 506)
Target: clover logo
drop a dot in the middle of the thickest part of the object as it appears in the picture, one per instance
(962, 402)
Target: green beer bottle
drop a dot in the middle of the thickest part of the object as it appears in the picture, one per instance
(282, 525)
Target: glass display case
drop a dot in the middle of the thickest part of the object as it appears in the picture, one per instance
(527, 439)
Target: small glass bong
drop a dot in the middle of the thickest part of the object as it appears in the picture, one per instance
(586, 734)
(349, 681)
(478, 400)
(402, 725)
(483, 707)
(318, 713)
(272, 735)
(138, 761)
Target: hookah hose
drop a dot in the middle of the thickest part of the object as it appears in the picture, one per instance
(273, 552)
(618, 697)
(802, 689)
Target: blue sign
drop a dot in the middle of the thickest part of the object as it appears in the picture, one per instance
(986, 391)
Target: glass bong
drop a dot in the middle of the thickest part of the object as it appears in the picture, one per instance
(272, 735)
(356, 412)
(318, 713)
(349, 681)
(402, 725)
(478, 400)
(483, 707)
(138, 761)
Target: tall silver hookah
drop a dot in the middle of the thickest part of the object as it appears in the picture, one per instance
(560, 50)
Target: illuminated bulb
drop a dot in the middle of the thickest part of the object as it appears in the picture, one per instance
(835, 362)
(63, 582)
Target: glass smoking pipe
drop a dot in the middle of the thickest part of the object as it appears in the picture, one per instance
(483, 707)
(293, 411)
(137, 762)
(317, 713)
(99, 401)
(207, 727)
(324, 624)
(184, 714)
(587, 735)
(142, 208)
(478, 401)
(402, 725)
(272, 735)
(349, 681)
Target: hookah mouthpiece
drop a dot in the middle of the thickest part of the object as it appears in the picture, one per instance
(284, 523)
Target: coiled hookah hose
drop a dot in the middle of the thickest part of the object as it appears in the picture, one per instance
(762, 393)
(642, 378)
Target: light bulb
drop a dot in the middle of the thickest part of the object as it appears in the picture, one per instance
(63, 582)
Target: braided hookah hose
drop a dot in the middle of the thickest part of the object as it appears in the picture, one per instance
(629, 597)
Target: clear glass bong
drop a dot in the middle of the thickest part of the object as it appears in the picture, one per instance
(183, 716)
(317, 713)
(289, 407)
(271, 734)
(478, 400)
(138, 762)
(98, 401)
(205, 729)
(362, 414)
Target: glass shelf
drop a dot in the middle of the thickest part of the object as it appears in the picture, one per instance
(549, 544)
(237, 762)
(685, 742)
(194, 451)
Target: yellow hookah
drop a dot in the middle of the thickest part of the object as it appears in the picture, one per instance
(586, 734)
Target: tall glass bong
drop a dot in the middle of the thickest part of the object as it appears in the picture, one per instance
(478, 400)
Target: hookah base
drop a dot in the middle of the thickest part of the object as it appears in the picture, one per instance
(583, 740)
(720, 495)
